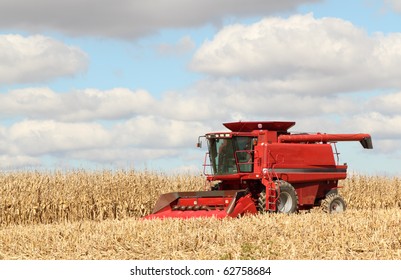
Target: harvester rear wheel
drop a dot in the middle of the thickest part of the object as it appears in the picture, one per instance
(333, 203)
(287, 201)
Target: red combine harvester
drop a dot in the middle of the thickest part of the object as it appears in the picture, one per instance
(261, 167)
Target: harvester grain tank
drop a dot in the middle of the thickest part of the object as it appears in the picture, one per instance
(259, 167)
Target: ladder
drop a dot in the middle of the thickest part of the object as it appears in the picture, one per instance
(272, 186)
(272, 189)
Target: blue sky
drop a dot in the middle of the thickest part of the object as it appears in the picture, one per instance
(88, 84)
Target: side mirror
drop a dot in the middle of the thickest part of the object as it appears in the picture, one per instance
(199, 144)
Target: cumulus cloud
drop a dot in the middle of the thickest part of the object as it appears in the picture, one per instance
(128, 19)
(35, 137)
(18, 161)
(381, 125)
(133, 140)
(140, 136)
(37, 59)
(79, 105)
(158, 132)
(388, 104)
(385, 129)
(302, 54)
(105, 127)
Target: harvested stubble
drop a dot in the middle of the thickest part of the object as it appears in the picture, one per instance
(95, 215)
(356, 234)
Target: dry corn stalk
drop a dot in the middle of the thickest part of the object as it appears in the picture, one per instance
(33, 197)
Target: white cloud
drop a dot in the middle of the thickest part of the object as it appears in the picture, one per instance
(387, 104)
(216, 101)
(129, 19)
(80, 105)
(18, 161)
(303, 54)
(184, 45)
(380, 125)
(381, 117)
(122, 142)
(117, 103)
(3, 141)
(191, 105)
(33, 137)
(157, 132)
(394, 4)
(123, 157)
(385, 129)
(37, 59)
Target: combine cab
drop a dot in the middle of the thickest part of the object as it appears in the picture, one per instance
(261, 167)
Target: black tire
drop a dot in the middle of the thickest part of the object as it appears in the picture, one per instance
(287, 201)
(262, 202)
(333, 203)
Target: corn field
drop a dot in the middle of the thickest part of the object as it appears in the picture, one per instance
(96, 215)
(33, 197)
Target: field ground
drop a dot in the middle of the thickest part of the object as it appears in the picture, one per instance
(356, 234)
(84, 215)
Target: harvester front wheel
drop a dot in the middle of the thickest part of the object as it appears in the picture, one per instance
(262, 202)
(333, 203)
(287, 201)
